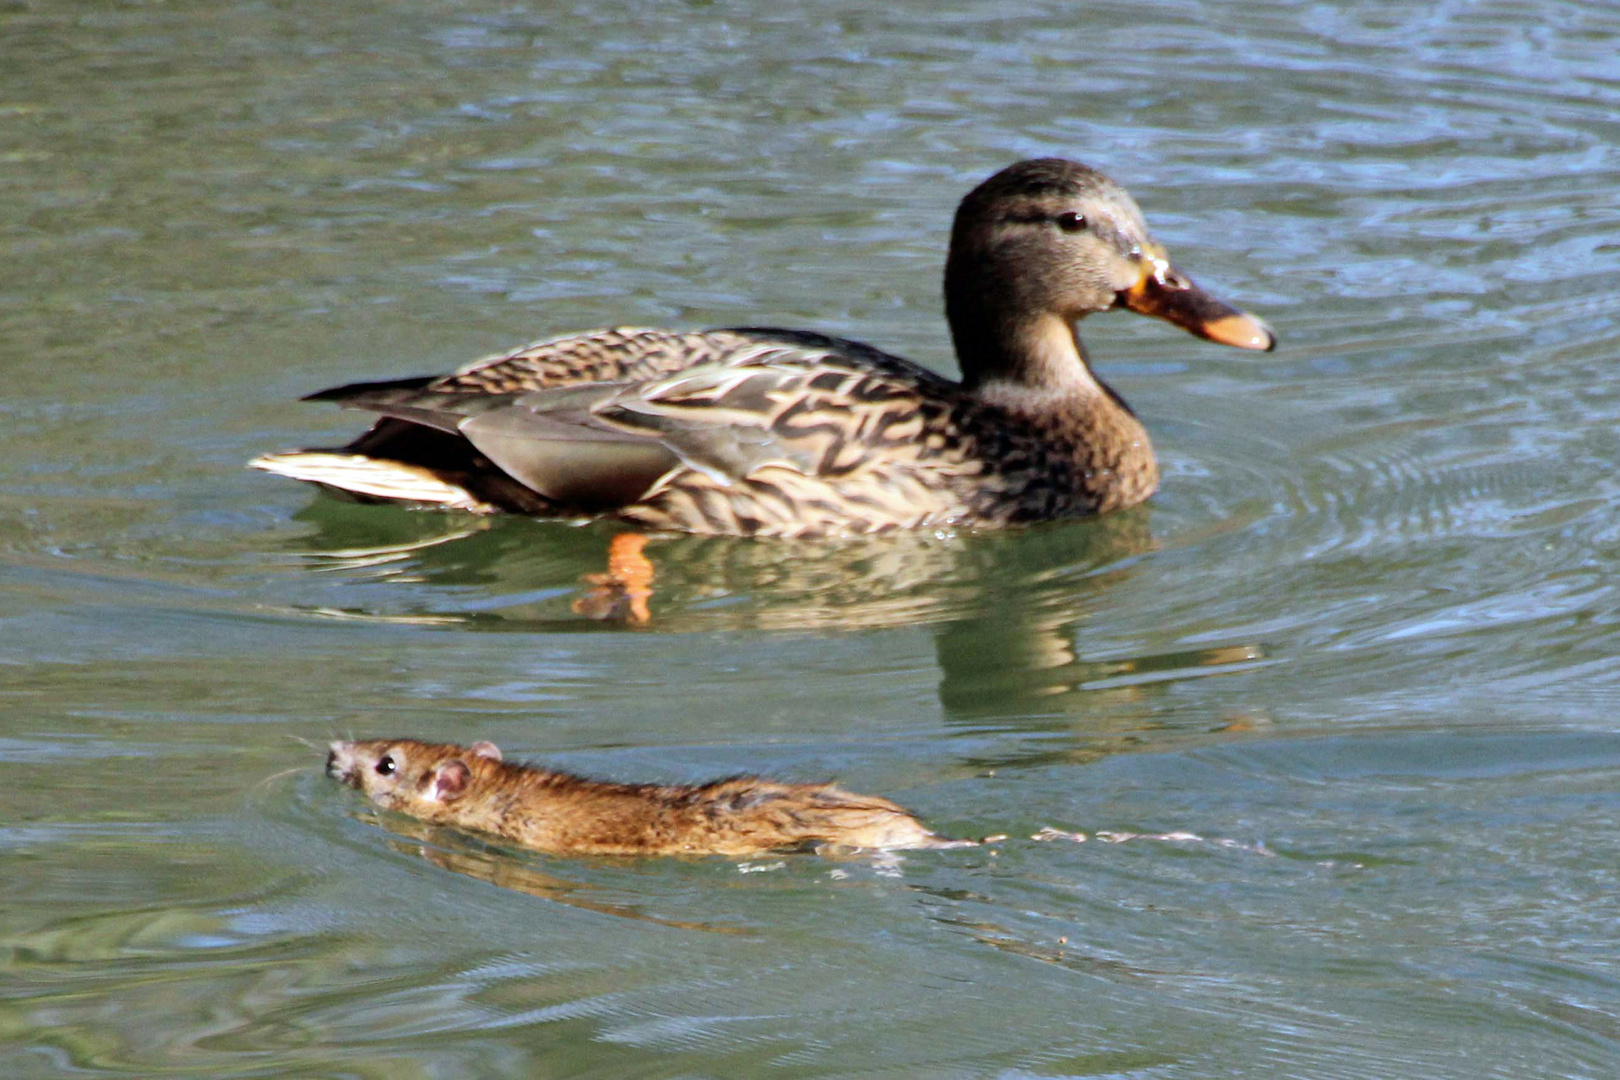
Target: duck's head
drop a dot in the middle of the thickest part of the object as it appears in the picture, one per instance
(1044, 243)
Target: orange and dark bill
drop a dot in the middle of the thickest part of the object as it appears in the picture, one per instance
(1165, 293)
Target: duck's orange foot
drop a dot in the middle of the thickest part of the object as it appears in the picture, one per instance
(623, 592)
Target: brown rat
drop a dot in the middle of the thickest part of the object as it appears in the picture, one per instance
(471, 787)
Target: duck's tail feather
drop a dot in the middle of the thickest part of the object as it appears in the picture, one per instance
(371, 478)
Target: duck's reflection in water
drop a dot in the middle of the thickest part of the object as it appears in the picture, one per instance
(1009, 611)
(538, 576)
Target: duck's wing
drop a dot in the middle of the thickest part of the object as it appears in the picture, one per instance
(818, 407)
(547, 440)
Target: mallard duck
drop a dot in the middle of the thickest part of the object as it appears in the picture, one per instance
(766, 432)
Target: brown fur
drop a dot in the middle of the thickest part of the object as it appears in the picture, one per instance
(471, 787)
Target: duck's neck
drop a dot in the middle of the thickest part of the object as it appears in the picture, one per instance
(1038, 371)
(1038, 359)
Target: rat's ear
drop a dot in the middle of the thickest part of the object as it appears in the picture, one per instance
(449, 780)
(487, 749)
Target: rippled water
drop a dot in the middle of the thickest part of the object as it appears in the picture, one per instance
(1335, 710)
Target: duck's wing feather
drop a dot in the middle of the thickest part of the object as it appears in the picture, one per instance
(547, 440)
(610, 355)
(802, 401)
(808, 404)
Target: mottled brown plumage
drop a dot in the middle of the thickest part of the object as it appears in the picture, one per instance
(756, 431)
(471, 787)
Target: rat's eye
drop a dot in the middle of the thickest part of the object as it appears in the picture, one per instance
(385, 765)
(1071, 221)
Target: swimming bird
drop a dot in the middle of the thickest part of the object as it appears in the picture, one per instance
(758, 431)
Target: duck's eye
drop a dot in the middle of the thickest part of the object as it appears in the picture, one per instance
(385, 765)
(1071, 221)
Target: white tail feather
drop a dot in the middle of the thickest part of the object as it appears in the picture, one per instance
(374, 477)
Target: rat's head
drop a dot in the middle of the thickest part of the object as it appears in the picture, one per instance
(403, 774)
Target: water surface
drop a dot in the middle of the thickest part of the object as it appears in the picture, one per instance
(1335, 710)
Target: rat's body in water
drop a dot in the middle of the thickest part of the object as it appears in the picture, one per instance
(470, 787)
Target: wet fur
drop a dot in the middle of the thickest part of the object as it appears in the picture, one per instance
(558, 812)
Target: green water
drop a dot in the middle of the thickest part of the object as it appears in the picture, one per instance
(1361, 649)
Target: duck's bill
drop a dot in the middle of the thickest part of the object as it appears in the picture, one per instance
(1165, 293)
